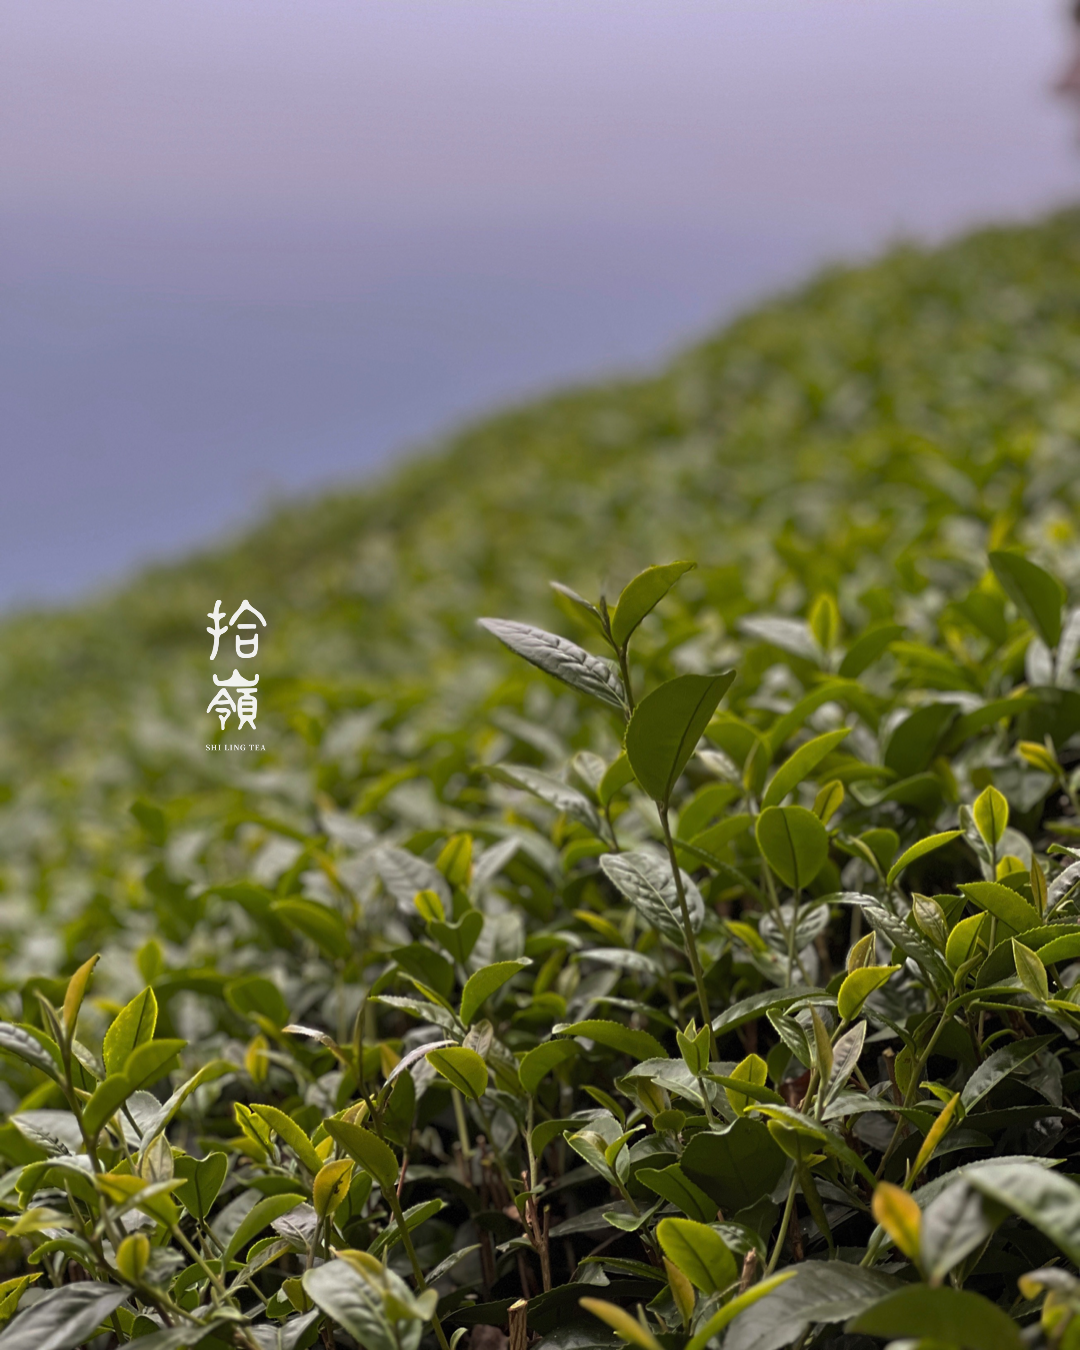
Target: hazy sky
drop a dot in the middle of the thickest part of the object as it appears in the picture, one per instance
(251, 247)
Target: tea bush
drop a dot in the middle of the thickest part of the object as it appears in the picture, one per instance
(717, 982)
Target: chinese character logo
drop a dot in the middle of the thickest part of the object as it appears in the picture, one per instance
(245, 704)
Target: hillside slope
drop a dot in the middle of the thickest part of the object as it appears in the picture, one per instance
(921, 402)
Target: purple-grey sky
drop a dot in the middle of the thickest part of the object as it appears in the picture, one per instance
(258, 246)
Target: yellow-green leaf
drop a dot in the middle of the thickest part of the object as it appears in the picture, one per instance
(857, 988)
(291, 1134)
(461, 1067)
(900, 1216)
(76, 991)
(620, 1321)
(331, 1186)
(132, 1026)
(699, 1252)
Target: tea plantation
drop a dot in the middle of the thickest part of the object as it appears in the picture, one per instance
(684, 955)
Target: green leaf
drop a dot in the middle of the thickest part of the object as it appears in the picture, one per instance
(750, 1009)
(999, 1066)
(1003, 903)
(560, 795)
(963, 938)
(637, 1044)
(642, 595)
(461, 937)
(913, 742)
(256, 996)
(857, 987)
(152, 819)
(75, 993)
(461, 1067)
(666, 726)
(368, 1149)
(203, 1178)
(955, 1223)
(646, 880)
(617, 775)
(536, 1064)
(1049, 1202)
(319, 923)
(107, 1099)
(480, 986)
(800, 765)
(132, 1026)
(344, 1295)
(16, 1041)
(755, 1073)
(291, 1134)
(565, 660)
(954, 1316)
(64, 1318)
(1035, 593)
(700, 1253)
(1031, 971)
(621, 1322)
(919, 850)
(151, 1061)
(793, 842)
(719, 1320)
(261, 1215)
(991, 813)
(865, 650)
(735, 1166)
(673, 1185)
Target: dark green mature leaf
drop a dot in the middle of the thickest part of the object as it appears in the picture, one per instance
(642, 595)
(750, 1009)
(537, 1064)
(801, 764)
(866, 649)
(819, 1291)
(646, 880)
(954, 1225)
(203, 1179)
(956, 1316)
(1036, 594)
(321, 924)
(627, 1041)
(673, 1185)
(1048, 1201)
(793, 842)
(666, 726)
(735, 1166)
(912, 744)
(63, 1318)
(557, 656)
